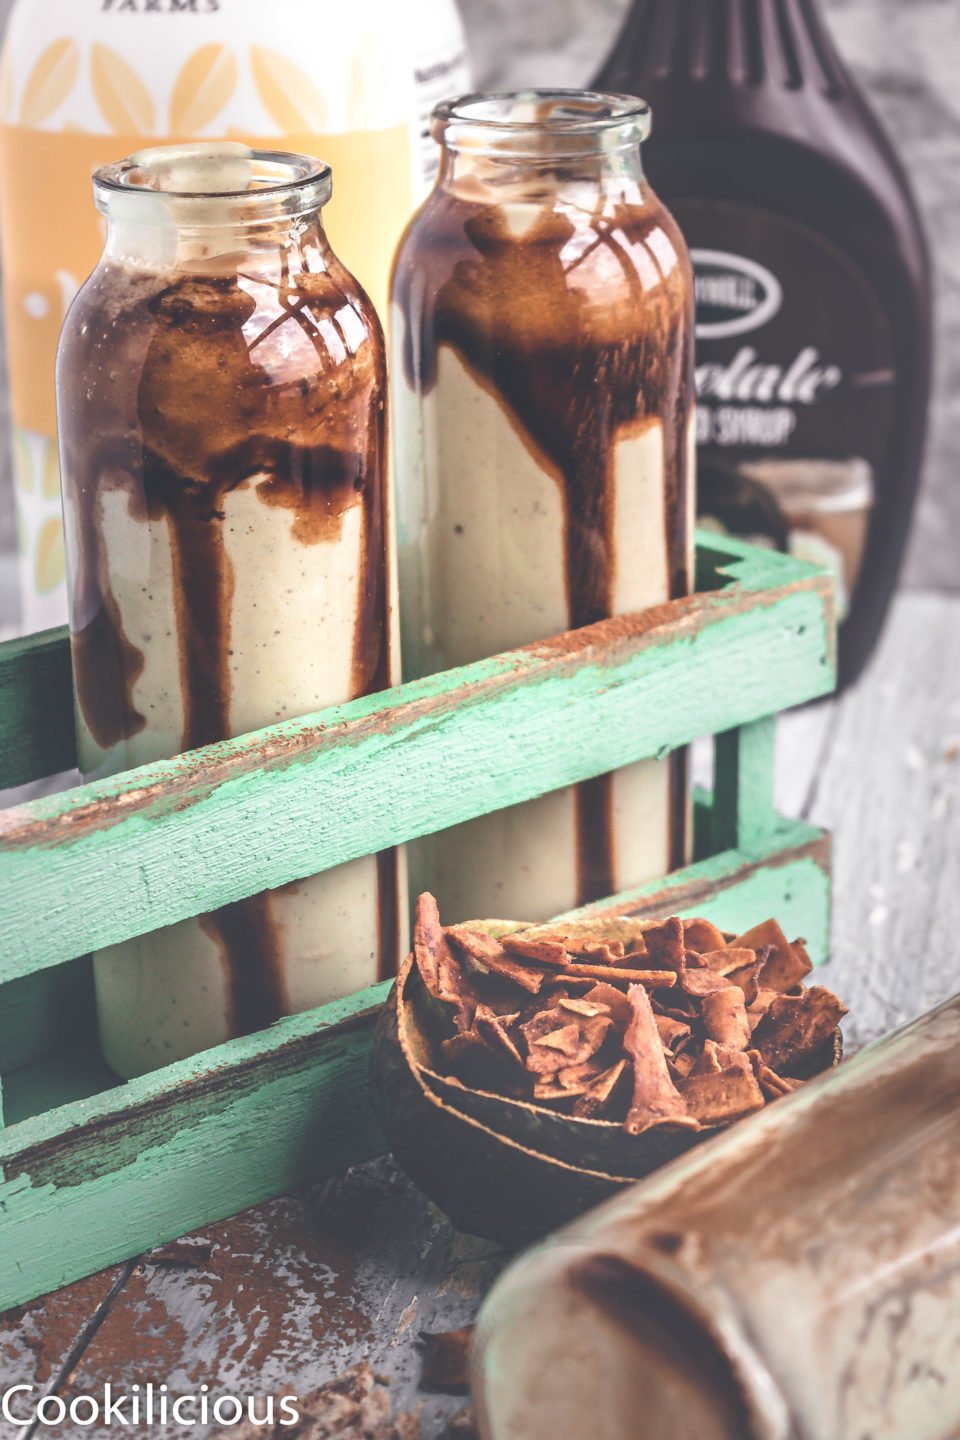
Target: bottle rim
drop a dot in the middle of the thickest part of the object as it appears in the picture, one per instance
(522, 121)
(278, 183)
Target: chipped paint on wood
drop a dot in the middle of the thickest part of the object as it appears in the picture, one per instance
(113, 859)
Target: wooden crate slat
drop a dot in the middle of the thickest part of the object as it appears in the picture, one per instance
(113, 859)
(744, 765)
(36, 727)
(100, 1180)
(36, 708)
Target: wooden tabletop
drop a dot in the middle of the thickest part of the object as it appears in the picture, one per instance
(291, 1294)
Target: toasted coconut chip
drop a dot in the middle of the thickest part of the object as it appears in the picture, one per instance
(677, 1005)
(701, 936)
(705, 1033)
(747, 981)
(599, 1095)
(725, 1018)
(599, 952)
(664, 943)
(671, 1031)
(785, 965)
(577, 1078)
(556, 1040)
(566, 1039)
(656, 979)
(545, 952)
(708, 1061)
(700, 982)
(722, 1096)
(656, 1100)
(728, 959)
(795, 1026)
(581, 1007)
(484, 951)
(682, 1065)
(434, 960)
(758, 1007)
(775, 1086)
(613, 1001)
(494, 1030)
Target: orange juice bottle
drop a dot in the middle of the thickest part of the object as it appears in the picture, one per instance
(85, 82)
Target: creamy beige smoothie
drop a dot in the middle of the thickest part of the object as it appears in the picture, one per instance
(542, 402)
(222, 394)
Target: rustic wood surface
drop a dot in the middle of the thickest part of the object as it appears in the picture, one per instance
(294, 1291)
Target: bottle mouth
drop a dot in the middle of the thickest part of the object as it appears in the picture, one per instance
(534, 123)
(211, 182)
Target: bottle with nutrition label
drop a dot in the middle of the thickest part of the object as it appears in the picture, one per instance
(812, 281)
(85, 82)
(542, 361)
(221, 402)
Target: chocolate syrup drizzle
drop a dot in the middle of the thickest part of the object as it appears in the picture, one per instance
(564, 327)
(178, 390)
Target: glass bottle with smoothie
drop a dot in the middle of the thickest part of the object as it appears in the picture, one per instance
(542, 362)
(221, 408)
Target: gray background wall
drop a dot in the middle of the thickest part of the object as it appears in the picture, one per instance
(907, 52)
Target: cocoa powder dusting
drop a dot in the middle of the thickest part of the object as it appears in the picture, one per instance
(582, 327)
(178, 389)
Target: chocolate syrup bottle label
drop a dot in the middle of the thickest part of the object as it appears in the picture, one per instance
(795, 379)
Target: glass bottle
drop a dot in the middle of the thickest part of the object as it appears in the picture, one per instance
(542, 358)
(83, 82)
(813, 286)
(221, 407)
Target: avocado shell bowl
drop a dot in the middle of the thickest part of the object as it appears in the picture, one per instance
(509, 1170)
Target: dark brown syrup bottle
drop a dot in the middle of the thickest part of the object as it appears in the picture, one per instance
(812, 282)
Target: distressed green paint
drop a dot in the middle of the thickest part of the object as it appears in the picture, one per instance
(743, 811)
(119, 857)
(36, 715)
(100, 1180)
(36, 708)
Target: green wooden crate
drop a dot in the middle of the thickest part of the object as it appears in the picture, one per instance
(92, 1171)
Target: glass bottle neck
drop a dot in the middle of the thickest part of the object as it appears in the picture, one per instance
(148, 235)
(499, 178)
(534, 143)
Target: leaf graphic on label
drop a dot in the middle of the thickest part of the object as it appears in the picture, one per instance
(50, 82)
(124, 100)
(289, 95)
(51, 471)
(50, 568)
(22, 463)
(206, 81)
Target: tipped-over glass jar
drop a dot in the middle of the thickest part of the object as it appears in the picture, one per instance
(542, 339)
(221, 399)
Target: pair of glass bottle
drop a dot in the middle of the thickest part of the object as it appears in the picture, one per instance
(229, 534)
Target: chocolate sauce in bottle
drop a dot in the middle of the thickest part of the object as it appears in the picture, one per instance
(812, 283)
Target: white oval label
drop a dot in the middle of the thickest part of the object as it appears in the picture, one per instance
(734, 295)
